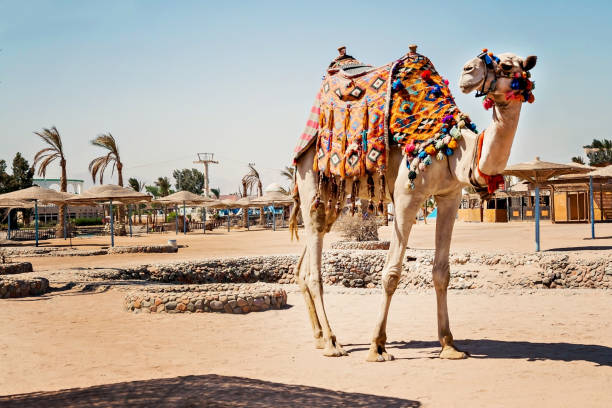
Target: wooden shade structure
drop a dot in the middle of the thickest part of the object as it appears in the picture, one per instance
(539, 173)
(37, 195)
(186, 197)
(106, 194)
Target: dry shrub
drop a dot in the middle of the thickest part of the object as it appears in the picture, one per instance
(358, 227)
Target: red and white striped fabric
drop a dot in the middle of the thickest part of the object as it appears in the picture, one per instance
(310, 132)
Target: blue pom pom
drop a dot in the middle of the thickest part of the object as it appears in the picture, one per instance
(397, 84)
(472, 126)
(423, 154)
(449, 151)
(515, 84)
(488, 60)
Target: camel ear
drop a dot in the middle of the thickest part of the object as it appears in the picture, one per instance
(530, 62)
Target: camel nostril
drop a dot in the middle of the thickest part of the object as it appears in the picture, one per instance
(468, 68)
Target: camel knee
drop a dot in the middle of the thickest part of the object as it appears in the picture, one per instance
(441, 275)
(390, 280)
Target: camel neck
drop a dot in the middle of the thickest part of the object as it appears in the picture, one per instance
(498, 138)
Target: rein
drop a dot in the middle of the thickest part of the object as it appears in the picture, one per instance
(493, 182)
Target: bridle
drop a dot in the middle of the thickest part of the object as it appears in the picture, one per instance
(490, 62)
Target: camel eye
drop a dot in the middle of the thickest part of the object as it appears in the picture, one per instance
(506, 66)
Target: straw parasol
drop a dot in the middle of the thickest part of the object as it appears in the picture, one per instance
(601, 172)
(538, 173)
(274, 195)
(225, 205)
(185, 197)
(245, 203)
(36, 194)
(106, 194)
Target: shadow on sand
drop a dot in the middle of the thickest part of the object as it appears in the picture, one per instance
(581, 248)
(201, 391)
(484, 348)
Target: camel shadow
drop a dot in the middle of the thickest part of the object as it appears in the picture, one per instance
(201, 391)
(524, 350)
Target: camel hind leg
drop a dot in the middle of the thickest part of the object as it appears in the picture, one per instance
(302, 275)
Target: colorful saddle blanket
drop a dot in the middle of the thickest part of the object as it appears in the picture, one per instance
(356, 117)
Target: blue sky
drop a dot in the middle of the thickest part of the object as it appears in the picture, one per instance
(169, 79)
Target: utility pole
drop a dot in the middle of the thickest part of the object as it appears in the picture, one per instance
(206, 159)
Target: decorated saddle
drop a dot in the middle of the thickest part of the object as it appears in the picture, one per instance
(360, 111)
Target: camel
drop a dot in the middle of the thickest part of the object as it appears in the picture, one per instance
(444, 179)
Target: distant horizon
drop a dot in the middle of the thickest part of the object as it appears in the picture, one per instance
(172, 79)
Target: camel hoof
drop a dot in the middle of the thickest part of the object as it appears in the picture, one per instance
(334, 349)
(375, 357)
(451, 353)
(319, 343)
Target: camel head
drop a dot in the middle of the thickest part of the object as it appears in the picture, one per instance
(498, 77)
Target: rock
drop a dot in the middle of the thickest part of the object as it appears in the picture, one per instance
(171, 305)
(216, 305)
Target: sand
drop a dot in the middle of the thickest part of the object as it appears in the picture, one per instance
(548, 348)
(529, 348)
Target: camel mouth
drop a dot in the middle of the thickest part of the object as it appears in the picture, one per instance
(468, 85)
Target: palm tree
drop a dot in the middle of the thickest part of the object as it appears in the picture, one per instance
(216, 192)
(163, 183)
(289, 173)
(45, 157)
(137, 185)
(577, 159)
(99, 164)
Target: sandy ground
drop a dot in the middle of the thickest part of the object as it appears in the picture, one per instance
(511, 237)
(548, 348)
(537, 348)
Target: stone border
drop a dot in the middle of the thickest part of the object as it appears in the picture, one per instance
(12, 268)
(14, 288)
(220, 298)
(145, 249)
(34, 252)
(361, 245)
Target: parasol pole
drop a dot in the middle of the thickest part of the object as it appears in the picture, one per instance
(130, 218)
(112, 224)
(273, 217)
(184, 220)
(176, 213)
(537, 217)
(64, 220)
(8, 235)
(228, 220)
(591, 210)
(247, 211)
(203, 220)
(36, 221)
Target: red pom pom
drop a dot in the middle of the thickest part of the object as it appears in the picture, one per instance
(426, 74)
(445, 81)
(531, 98)
(488, 103)
(410, 148)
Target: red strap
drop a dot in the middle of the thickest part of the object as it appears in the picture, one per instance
(493, 182)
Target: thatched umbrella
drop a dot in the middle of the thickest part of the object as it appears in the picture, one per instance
(604, 172)
(245, 203)
(106, 194)
(225, 205)
(10, 204)
(273, 196)
(37, 195)
(538, 173)
(185, 197)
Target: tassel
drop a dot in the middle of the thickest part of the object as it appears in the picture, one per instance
(370, 206)
(370, 187)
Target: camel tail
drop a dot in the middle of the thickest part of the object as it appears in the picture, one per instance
(293, 223)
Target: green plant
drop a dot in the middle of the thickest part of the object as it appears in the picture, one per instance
(85, 221)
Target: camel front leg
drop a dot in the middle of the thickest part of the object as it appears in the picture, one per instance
(406, 206)
(445, 220)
